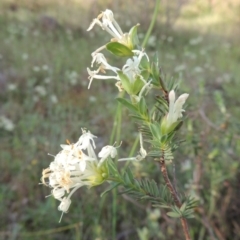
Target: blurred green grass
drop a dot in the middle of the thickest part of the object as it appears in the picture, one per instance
(44, 53)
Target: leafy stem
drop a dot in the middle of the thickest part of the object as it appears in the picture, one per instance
(175, 196)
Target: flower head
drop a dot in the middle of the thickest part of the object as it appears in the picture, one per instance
(108, 24)
(73, 168)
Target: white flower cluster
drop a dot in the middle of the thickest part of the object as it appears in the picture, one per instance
(131, 69)
(75, 166)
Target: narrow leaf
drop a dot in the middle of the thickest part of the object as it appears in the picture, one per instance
(133, 35)
(173, 214)
(114, 185)
(126, 83)
(128, 105)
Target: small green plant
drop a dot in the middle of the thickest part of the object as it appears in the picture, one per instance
(78, 164)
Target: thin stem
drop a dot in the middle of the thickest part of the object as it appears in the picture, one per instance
(169, 184)
(115, 122)
(151, 24)
(133, 149)
(175, 196)
(116, 133)
(114, 213)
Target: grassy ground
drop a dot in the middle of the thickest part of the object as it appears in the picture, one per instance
(44, 53)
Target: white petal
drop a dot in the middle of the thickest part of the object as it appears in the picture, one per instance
(183, 97)
(82, 165)
(64, 205)
(105, 151)
(171, 96)
(95, 21)
(85, 140)
(113, 152)
(58, 193)
(179, 104)
(108, 14)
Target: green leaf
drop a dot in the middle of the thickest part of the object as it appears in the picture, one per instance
(142, 106)
(114, 185)
(155, 74)
(145, 63)
(127, 85)
(126, 179)
(183, 207)
(177, 210)
(145, 74)
(162, 102)
(130, 174)
(137, 184)
(156, 59)
(155, 130)
(161, 81)
(128, 105)
(155, 188)
(119, 49)
(137, 85)
(112, 169)
(128, 190)
(141, 119)
(145, 197)
(173, 214)
(155, 154)
(133, 36)
(161, 205)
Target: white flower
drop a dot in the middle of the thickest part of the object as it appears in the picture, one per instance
(82, 158)
(101, 60)
(94, 74)
(66, 201)
(64, 205)
(106, 152)
(72, 168)
(108, 24)
(73, 154)
(131, 68)
(142, 152)
(175, 107)
(86, 139)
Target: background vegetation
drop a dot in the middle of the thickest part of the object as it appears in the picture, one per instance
(44, 53)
